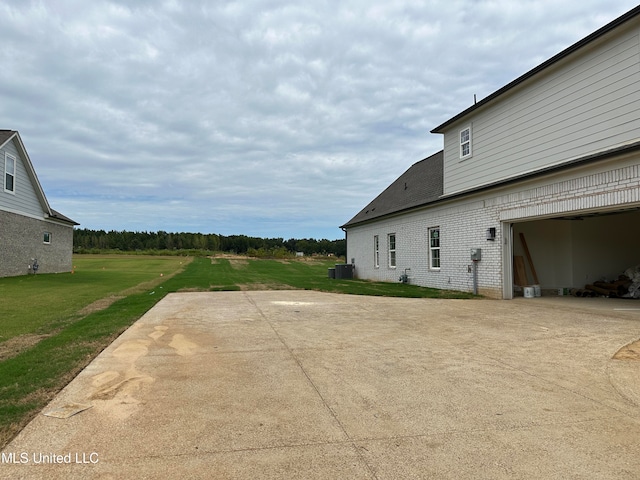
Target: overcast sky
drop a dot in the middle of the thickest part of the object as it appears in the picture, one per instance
(266, 118)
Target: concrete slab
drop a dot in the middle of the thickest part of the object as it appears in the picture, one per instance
(298, 384)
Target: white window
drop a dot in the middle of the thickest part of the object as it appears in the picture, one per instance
(434, 248)
(47, 237)
(392, 250)
(376, 251)
(465, 142)
(9, 173)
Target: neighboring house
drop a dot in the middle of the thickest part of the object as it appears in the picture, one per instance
(554, 155)
(30, 229)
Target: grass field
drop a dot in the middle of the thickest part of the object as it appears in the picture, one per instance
(35, 304)
(52, 326)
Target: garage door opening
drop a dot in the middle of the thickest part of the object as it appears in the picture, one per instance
(570, 252)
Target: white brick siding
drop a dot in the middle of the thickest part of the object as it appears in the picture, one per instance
(463, 223)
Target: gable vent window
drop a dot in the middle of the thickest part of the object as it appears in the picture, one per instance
(9, 173)
(465, 142)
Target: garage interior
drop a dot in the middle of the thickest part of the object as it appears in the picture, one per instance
(570, 252)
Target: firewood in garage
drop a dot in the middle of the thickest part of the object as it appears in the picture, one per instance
(600, 290)
(620, 286)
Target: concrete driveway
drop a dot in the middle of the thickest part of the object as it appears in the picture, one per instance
(309, 385)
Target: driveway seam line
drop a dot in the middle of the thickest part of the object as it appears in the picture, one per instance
(324, 402)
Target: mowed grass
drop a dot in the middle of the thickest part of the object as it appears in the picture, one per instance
(52, 326)
(34, 304)
(250, 274)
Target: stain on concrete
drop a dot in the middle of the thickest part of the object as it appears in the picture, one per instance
(158, 332)
(629, 352)
(182, 346)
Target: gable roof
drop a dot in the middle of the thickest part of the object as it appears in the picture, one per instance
(421, 184)
(543, 66)
(7, 136)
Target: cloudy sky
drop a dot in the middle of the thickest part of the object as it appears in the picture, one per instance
(267, 118)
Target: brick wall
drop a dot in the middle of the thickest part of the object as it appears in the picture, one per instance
(463, 224)
(22, 239)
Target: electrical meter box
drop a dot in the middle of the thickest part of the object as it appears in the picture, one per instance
(476, 254)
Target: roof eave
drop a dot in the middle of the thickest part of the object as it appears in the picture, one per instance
(55, 215)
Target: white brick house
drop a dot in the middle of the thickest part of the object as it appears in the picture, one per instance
(554, 155)
(30, 229)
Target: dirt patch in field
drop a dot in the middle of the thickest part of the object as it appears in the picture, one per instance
(144, 286)
(100, 304)
(238, 264)
(15, 345)
(229, 256)
(629, 352)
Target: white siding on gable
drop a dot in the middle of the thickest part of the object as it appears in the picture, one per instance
(25, 200)
(586, 104)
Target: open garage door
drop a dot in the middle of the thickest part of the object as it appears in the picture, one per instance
(570, 252)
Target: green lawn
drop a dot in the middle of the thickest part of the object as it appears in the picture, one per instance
(35, 304)
(225, 274)
(52, 326)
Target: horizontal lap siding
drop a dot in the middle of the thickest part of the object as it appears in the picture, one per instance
(24, 200)
(579, 108)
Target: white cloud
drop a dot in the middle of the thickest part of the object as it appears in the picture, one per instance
(271, 118)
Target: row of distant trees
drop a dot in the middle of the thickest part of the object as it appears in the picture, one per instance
(85, 240)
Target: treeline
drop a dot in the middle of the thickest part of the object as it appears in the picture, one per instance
(85, 240)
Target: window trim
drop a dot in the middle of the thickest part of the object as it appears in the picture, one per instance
(392, 250)
(468, 141)
(432, 249)
(7, 157)
(44, 238)
(376, 251)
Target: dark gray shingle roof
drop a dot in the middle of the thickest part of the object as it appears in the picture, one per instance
(419, 185)
(5, 135)
(58, 216)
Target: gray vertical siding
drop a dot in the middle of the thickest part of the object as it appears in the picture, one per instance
(586, 104)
